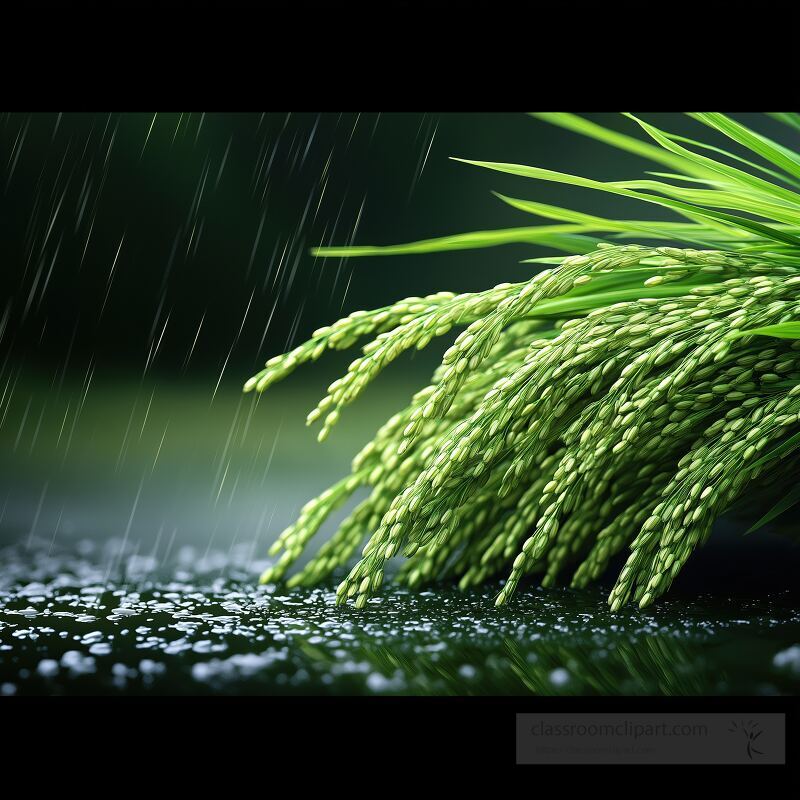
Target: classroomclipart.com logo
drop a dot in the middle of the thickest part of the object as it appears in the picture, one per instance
(651, 738)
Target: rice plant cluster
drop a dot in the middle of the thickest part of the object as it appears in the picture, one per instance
(615, 403)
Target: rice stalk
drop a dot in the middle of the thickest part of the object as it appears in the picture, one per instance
(619, 400)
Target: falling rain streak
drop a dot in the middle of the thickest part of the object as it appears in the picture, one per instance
(150, 253)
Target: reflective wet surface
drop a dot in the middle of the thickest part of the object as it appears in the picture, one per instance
(80, 617)
(130, 552)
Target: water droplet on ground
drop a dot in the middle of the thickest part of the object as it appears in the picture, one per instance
(196, 625)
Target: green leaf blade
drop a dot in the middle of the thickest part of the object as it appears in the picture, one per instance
(783, 330)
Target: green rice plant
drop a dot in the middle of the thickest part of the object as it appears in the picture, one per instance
(617, 401)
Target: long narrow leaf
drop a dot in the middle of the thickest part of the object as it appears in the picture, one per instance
(566, 238)
(781, 157)
(621, 141)
(653, 229)
(753, 204)
(784, 330)
(580, 302)
(784, 504)
(737, 176)
(781, 176)
(615, 188)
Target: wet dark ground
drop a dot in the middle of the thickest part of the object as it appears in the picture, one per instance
(84, 618)
(134, 521)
